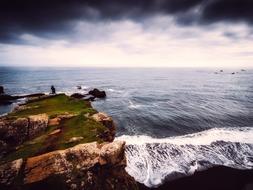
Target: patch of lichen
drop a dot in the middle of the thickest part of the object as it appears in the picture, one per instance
(78, 126)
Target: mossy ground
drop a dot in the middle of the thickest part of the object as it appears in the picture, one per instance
(78, 126)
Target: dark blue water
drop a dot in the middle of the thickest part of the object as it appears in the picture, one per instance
(175, 121)
(155, 102)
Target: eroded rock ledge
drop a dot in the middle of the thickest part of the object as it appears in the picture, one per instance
(84, 166)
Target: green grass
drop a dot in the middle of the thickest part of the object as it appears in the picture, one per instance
(55, 105)
(78, 126)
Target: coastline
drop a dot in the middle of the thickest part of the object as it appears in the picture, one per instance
(218, 177)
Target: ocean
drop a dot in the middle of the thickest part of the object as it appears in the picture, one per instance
(174, 120)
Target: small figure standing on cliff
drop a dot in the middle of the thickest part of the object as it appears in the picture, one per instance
(52, 89)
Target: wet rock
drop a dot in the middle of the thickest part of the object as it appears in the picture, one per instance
(107, 121)
(89, 98)
(233, 73)
(77, 96)
(1, 90)
(6, 99)
(79, 87)
(97, 93)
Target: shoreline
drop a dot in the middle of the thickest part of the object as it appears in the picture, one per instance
(218, 177)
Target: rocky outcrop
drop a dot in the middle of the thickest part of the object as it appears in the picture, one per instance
(77, 96)
(97, 93)
(8, 99)
(9, 172)
(14, 132)
(37, 124)
(107, 121)
(84, 166)
(56, 120)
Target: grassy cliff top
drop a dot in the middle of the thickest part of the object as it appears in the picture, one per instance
(53, 106)
(79, 126)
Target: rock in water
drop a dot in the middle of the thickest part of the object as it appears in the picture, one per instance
(97, 93)
(79, 87)
(77, 96)
(84, 166)
(1, 90)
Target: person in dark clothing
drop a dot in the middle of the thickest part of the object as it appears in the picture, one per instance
(52, 89)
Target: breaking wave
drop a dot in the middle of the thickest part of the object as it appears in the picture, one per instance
(152, 161)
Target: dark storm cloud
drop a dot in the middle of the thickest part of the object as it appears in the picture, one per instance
(54, 18)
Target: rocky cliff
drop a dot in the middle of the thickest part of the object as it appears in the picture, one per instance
(59, 142)
(84, 166)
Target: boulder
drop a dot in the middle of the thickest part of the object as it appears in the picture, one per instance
(97, 93)
(1, 90)
(107, 121)
(9, 172)
(37, 124)
(14, 132)
(79, 87)
(77, 96)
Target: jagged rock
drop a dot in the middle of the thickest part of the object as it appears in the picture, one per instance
(9, 172)
(77, 96)
(97, 93)
(13, 131)
(37, 124)
(6, 99)
(84, 166)
(107, 121)
(1, 90)
(75, 139)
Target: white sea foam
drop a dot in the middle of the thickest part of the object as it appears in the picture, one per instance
(151, 161)
(133, 106)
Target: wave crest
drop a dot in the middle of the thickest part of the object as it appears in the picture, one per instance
(151, 161)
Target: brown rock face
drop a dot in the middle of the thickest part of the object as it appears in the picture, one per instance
(9, 172)
(37, 124)
(107, 121)
(15, 132)
(84, 166)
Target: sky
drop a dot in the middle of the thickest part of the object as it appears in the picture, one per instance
(126, 33)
